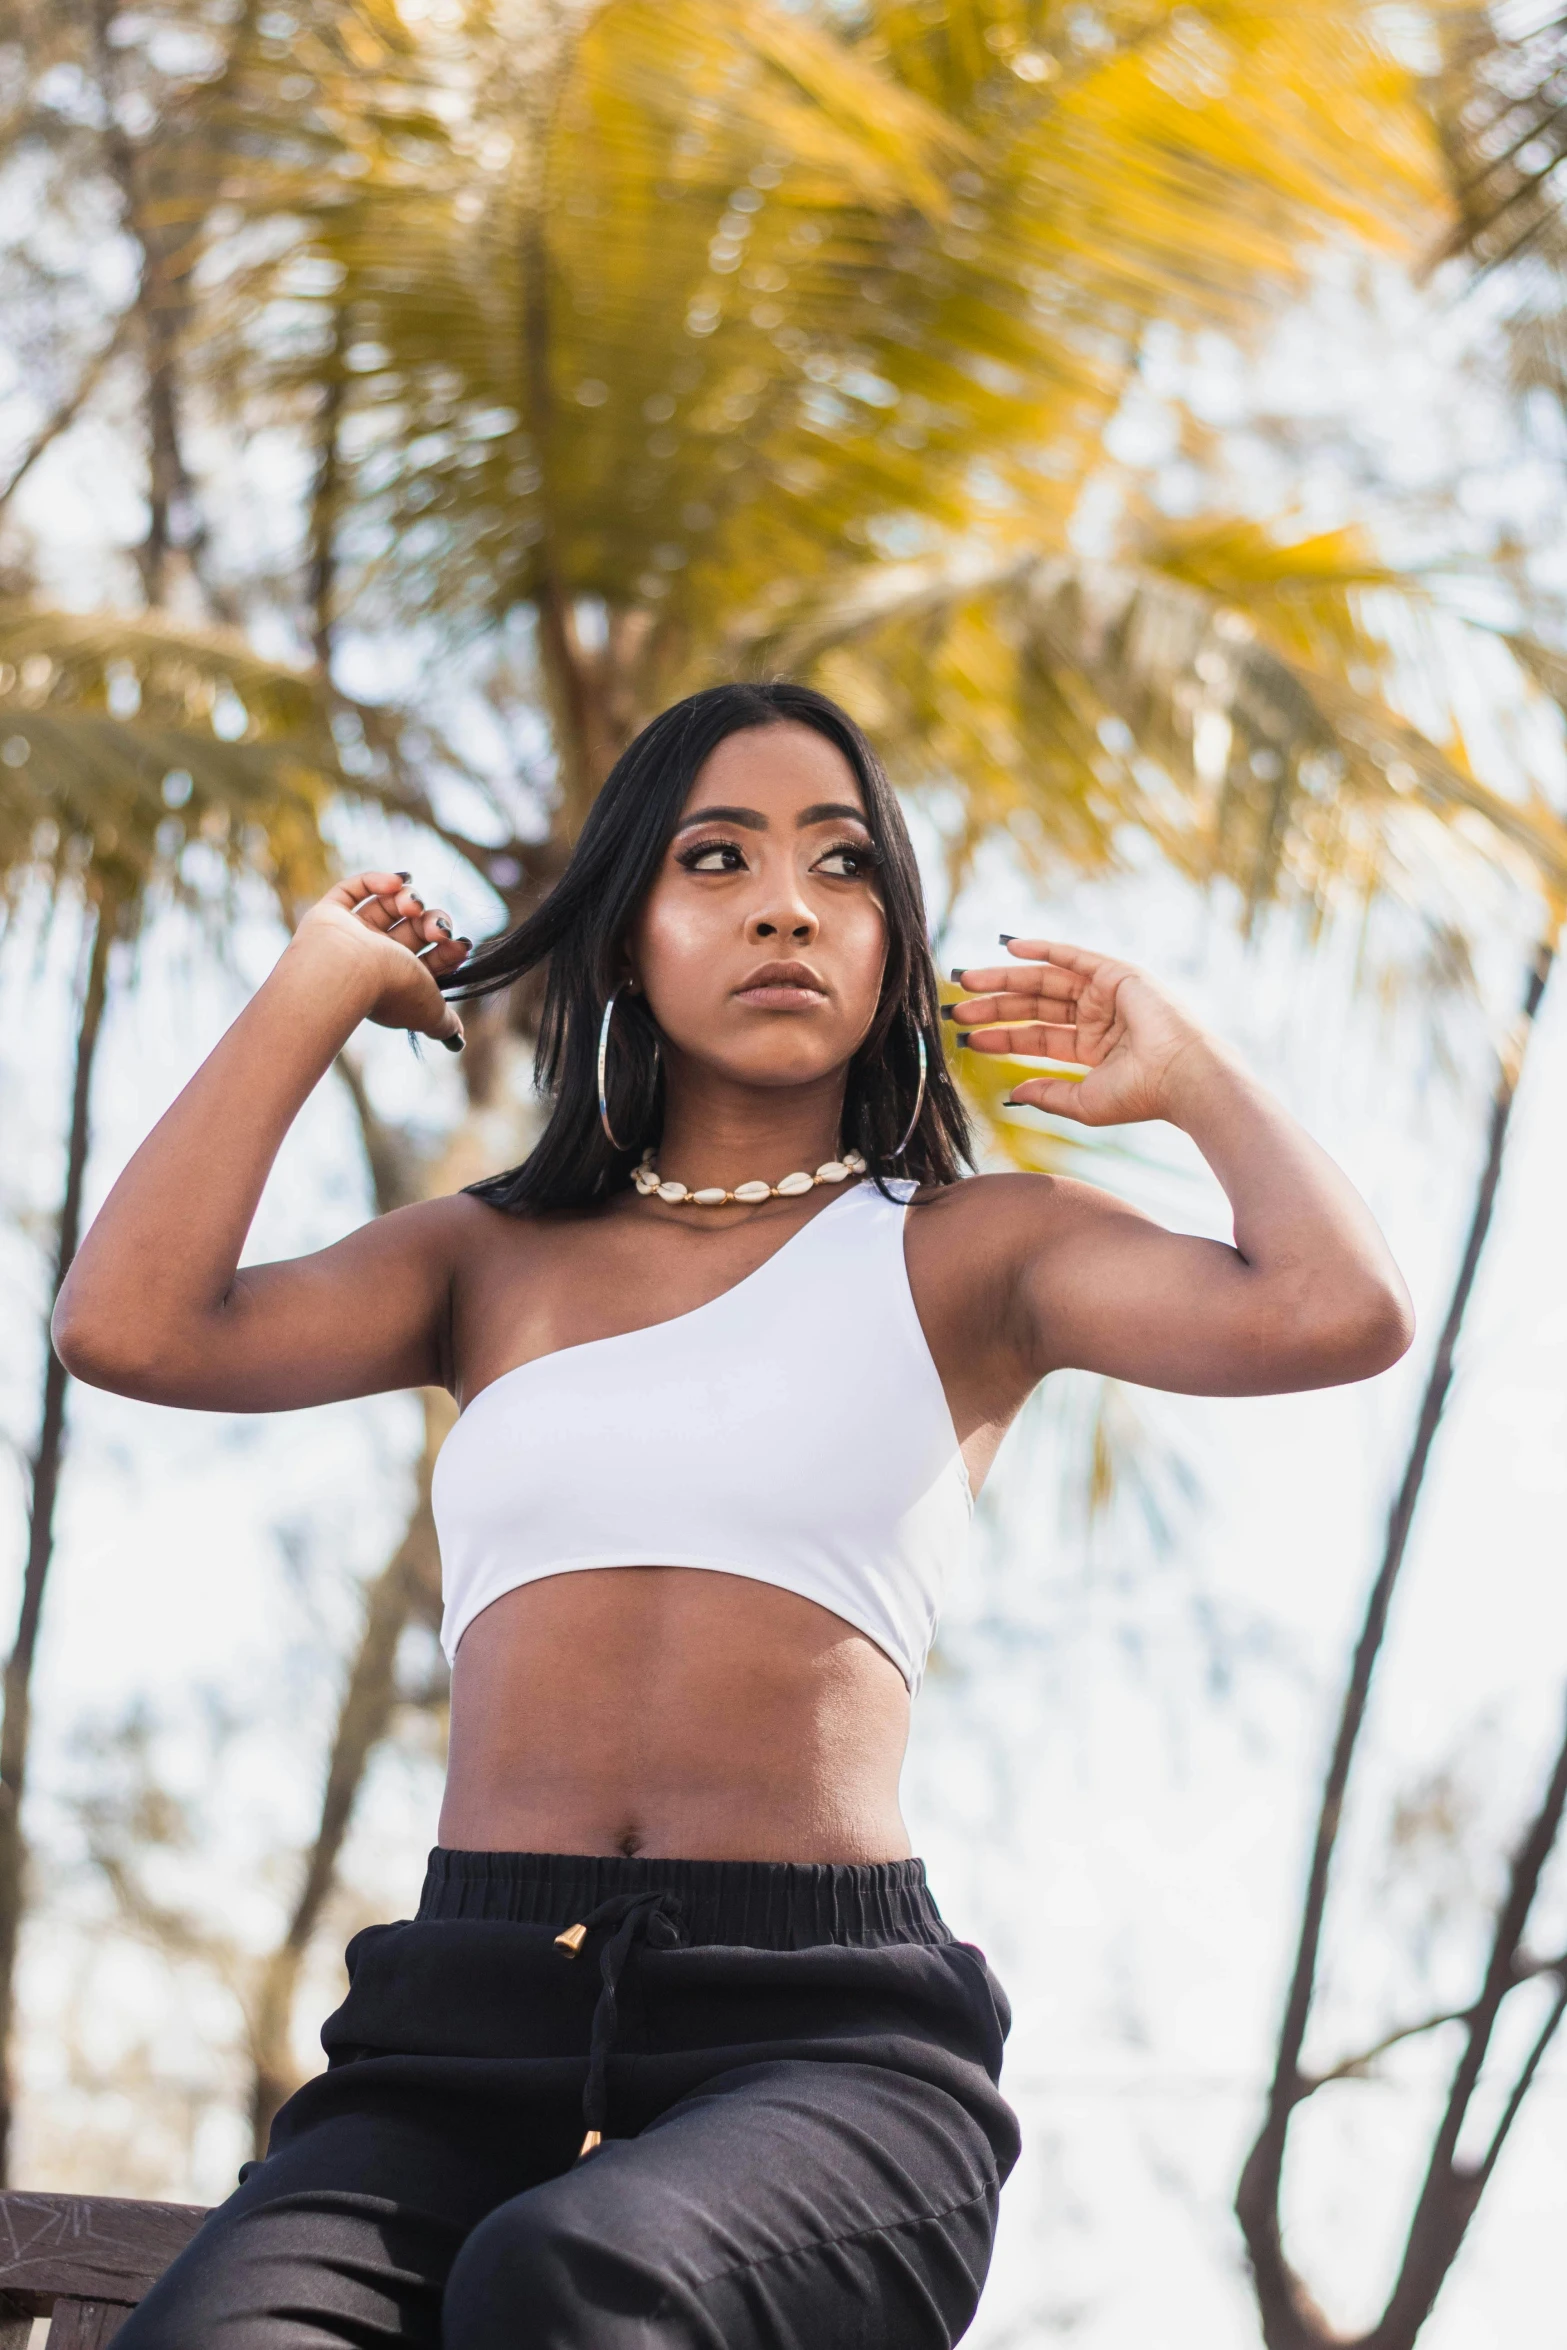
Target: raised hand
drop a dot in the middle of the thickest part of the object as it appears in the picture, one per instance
(1064, 1003)
(401, 943)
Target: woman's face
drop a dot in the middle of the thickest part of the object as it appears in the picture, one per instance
(761, 943)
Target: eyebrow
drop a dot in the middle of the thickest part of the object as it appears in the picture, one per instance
(752, 820)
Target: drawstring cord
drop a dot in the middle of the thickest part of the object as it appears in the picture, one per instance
(653, 1918)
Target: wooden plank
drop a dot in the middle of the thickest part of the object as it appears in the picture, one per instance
(16, 2324)
(88, 2247)
(85, 2325)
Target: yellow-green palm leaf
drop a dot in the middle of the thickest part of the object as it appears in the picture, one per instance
(1216, 695)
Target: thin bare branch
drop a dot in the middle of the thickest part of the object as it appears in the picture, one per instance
(64, 415)
(1350, 2068)
(1290, 2320)
(1524, 2082)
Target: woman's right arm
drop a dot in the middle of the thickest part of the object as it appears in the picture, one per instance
(155, 1306)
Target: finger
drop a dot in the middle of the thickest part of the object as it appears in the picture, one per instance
(442, 1021)
(366, 889)
(406, 924)
(390, 911)
(429, 928)
(1059, 1095)
(1059, 997)
(1058, 1040)
(448, 954)
(1018, 979)
(1081, 965)
(1033, 1039)
(1087, 962)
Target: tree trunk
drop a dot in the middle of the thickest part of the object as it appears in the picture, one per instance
(15, 1723)
(325, 499)
(1290, 2318)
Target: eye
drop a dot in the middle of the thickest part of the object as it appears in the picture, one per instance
(713, 856)
(849, 860)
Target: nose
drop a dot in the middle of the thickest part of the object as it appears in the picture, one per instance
(788, 920)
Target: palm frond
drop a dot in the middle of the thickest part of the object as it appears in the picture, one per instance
(123, 738)
(1500, 104)
(803, 298)
(1088, 705)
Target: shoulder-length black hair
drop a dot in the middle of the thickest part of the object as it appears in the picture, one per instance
(581, 929)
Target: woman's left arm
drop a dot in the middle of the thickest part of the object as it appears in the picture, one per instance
(1307, 1295)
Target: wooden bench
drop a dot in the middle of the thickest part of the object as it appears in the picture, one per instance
(82, 2261)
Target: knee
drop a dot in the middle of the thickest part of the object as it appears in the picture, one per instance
(529, 2276)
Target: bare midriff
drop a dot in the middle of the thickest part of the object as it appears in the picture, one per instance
(675, 1713)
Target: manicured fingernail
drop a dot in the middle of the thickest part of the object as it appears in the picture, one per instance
(1009, 1101)
(1007, 936)
(454, 1044)
(466, 944)
(949, 1011)
(440, 925)
(956, 975)
(405, 877)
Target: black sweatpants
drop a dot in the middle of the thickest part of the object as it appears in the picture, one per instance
(791, 2071)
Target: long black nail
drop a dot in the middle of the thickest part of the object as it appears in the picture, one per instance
(949, 1011)
(454, 1044)
(956, 976)
(1007, 936)
(440, 925)
(1010, 1102)
(405, 877)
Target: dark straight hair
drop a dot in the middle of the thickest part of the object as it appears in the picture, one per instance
(580, 931)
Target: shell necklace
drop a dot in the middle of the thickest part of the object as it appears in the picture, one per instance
(652, 1186)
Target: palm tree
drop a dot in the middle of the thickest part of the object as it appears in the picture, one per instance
(96, 809)
(688, 335)
(123, 744)
(648, 316)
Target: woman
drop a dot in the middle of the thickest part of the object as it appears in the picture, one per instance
(678, 2051)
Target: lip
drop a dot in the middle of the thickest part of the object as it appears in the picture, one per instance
(783, 987)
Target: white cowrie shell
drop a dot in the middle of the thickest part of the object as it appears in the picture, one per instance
(713, 1197)
(831, 1171)
(793, 1185)
(672, 1192)
(750, 1192)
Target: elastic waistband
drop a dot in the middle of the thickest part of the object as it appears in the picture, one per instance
(757, 1904)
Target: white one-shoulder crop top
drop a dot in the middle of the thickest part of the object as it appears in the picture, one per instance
(793, 1430)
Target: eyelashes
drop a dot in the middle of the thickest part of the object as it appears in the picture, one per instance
(861, 856)
(694, 858)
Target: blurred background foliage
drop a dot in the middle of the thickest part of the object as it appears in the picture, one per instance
(486, 375)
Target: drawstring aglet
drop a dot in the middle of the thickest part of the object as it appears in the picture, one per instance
(571, 1942)
(590, 2144)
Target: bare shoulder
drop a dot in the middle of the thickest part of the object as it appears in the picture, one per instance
(1013, 1214)
(467, 1234)
(979, 1254)
(450, 1237)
